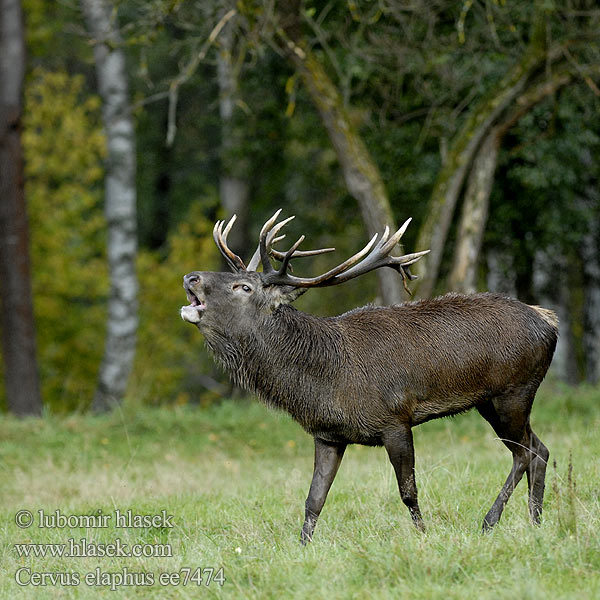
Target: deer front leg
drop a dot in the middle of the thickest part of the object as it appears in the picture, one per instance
(328, 457)
(399, 445)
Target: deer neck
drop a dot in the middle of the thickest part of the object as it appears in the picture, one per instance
(285, 359)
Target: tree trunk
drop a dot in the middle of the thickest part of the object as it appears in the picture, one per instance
(551, 288)
(483, 115)
(233, 185)
(500, 272)
(17, 321)
(120, 204)
(463, 277)
(481, 178)
(590, 258)
(434, 231)
(361, 175)
(234, 189)
(590, 250)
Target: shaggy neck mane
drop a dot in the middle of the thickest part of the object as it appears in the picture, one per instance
(287, 351)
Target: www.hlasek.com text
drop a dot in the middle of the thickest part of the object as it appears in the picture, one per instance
(84, 548)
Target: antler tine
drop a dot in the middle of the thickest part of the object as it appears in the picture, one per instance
(299, 253)
(376, 260)
(255, 260)
(269, 224)
(384, 236)
(265, 239)
(220, 237)
(269, 232)
(270, 229)
(407, 259)
(278, 239)
(396, 237)
(379, 258)
(228, 227)
(289, 254)
(372, 256)
(277, 228)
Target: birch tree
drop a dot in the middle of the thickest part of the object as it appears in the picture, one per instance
(17, 322)
(120, 203)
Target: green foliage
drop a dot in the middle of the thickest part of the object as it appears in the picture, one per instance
(169, 350)
(64, 150)
(54, 37)
(544, 173)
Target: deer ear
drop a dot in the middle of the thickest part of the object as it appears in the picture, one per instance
(284, 294)
(294, 293)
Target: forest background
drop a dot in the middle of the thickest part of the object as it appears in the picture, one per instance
(141, 123)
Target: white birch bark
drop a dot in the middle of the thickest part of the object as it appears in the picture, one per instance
(120, 204)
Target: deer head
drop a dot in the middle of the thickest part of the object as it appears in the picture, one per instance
(218, 301)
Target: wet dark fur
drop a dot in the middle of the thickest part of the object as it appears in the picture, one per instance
(368, 376)
(346, 378)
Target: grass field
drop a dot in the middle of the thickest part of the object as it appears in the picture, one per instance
(232, 480)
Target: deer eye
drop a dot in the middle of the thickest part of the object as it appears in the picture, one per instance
(243, 286)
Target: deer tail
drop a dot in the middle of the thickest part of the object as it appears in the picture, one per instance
(548, 315)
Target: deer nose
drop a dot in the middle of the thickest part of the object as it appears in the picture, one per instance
(191, 279)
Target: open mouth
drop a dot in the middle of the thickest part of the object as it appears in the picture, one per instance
(195, 301)
(193, 312)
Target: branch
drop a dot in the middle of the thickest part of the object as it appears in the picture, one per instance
(189, 70)
(583, 71)
(540, 90)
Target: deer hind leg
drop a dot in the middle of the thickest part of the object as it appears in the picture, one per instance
(509, 417)
(328, 457)
(536, 476)
(400, 449)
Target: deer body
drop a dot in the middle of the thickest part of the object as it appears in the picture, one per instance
(368, 376)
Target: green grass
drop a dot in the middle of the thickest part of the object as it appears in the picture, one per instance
(234, 477)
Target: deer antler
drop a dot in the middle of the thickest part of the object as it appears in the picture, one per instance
(220, 237)
(268, 237)
(372, 256)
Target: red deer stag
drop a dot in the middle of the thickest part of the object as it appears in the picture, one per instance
(370, 375)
